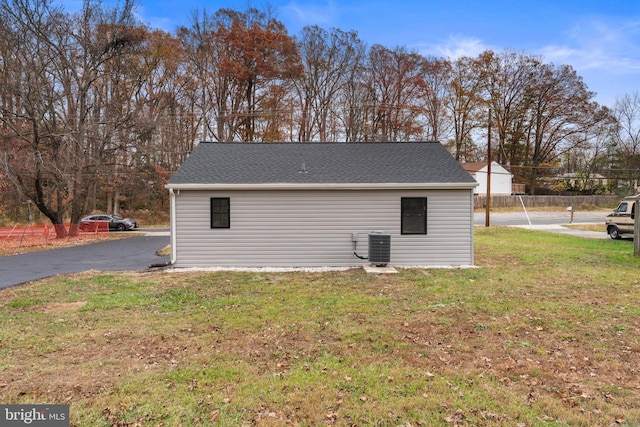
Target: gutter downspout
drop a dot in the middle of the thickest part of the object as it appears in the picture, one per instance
(172, 227)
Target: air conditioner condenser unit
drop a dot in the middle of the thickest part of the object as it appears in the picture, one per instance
(379, 248)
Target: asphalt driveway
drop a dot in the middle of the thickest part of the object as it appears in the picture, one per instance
(134, 253)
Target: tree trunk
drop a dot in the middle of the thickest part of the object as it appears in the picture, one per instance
(61, 230)
(74, 229)
(116, 202)
(109, 201)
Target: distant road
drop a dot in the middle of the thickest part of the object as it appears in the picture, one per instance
(519, 218)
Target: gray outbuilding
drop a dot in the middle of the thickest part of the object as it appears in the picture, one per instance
(315, 204)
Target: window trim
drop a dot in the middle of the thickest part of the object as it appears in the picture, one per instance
(219, 214)
(404, 215)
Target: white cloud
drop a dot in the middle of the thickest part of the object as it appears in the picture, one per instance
(455, 47)
(598, 44)
(556, 53)
(165, 23)
(606, 53)
(322, 14)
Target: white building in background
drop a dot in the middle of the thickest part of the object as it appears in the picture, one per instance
(501, 179)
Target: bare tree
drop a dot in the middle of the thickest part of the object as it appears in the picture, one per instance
(212, 96)
(395, 80)
(329, 59)
(436, 75)
(62, 129)
(560, 116)
(355, 106)
(507, 77)
(625, 146)
(464, 103)
(589, 156)
(627, 113)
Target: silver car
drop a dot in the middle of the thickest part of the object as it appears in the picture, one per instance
(100, 222)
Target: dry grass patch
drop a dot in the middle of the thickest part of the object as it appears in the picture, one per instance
(588, 227)
(541, 334)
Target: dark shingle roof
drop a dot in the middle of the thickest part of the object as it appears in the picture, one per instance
(320, 163)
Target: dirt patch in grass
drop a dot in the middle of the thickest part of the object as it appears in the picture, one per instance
(541, 334)
(61, 306)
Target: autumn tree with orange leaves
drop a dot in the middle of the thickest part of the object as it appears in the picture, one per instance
(245, 63)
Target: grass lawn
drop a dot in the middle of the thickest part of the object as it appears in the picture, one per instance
(545, 333)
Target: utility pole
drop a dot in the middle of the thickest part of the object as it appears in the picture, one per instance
(636, 228)
(487, 221)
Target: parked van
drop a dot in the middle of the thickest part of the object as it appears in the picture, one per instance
(622, 219)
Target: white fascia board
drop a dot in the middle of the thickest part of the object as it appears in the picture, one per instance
(326, 186)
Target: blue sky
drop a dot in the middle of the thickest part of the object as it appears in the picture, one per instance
(599, 39)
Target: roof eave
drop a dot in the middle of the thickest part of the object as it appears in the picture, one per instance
(326, 186)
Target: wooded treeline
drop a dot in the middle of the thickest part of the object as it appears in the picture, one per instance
(97, 109)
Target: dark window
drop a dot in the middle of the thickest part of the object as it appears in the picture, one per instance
(414, 215)
(220, 212)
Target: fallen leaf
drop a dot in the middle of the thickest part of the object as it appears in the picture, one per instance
(332, 416)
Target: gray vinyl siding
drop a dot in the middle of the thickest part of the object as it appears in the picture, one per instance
(313, 228)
